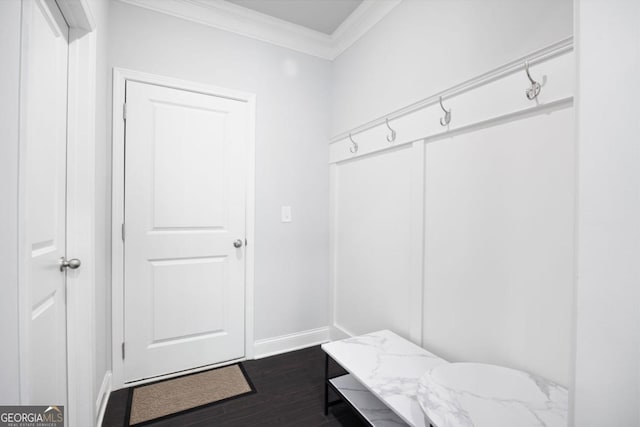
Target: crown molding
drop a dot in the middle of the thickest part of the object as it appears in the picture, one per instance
(249, 23)
(361, 20)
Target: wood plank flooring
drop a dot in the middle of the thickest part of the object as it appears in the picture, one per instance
(290, 392)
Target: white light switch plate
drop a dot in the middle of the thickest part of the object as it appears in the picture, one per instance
(285, 214)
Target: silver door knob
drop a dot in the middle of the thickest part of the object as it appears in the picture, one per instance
(72, 263)
(237, 243)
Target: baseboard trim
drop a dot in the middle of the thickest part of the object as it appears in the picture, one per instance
(103, 398)
(285, 343)
(338, 333)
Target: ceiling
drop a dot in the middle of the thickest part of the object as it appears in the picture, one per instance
(324, 16)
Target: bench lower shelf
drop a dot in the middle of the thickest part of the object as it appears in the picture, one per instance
(370, 408)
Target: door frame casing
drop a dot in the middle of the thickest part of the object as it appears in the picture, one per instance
(120, 76)
(80, 229)
(81, 226)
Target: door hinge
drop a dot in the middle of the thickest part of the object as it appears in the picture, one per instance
(245, 242)
(124, 111)
(123, 350)
(122, 231)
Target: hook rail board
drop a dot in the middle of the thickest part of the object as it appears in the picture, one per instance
(503, 93)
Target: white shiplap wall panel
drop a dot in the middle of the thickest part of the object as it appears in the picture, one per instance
(372, 232)
(461, 237)
(499, 230)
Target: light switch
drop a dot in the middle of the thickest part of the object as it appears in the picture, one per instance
(286, 214)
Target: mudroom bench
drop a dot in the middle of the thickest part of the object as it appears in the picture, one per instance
(381, 385)
(392, 382)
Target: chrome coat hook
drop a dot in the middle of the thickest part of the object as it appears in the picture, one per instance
(534, 90)
(444, 121)
(392, 137)
(354, 148)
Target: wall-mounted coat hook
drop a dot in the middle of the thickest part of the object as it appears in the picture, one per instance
(444, 121)
(354, 148)
(392, 136)
(534, 90)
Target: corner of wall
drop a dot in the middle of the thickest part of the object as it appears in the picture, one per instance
(291, 342)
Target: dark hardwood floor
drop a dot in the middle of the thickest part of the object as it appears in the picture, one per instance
(290, 392)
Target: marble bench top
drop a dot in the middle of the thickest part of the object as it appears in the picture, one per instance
(481, 395)
(389, 366)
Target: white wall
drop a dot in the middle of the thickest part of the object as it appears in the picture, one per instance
(291, 274)
(607, 371)
(10, 27)
(425, 46)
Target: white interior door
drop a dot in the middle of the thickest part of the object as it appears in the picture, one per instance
(43, 195)
(185, 173)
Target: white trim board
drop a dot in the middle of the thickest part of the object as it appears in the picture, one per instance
(120, 76)
(78, 14)
(246, 22)
(103, 398)
(291, 342)
(81, 204)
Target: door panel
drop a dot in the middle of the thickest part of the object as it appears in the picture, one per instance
(174, 283)
(43, 186)
(201, 165)
(184, 207)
